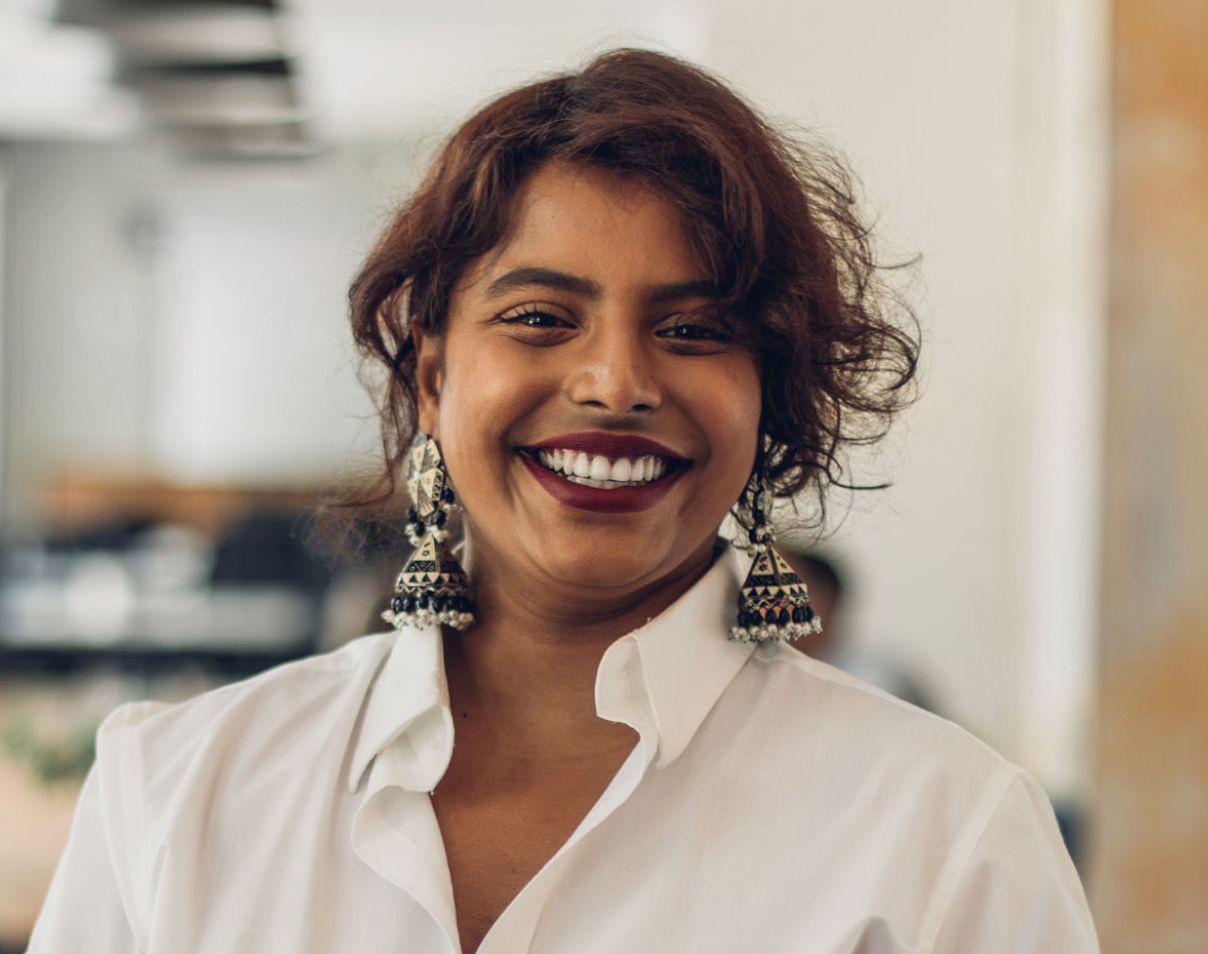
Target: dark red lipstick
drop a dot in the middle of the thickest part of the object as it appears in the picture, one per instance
(612, 446)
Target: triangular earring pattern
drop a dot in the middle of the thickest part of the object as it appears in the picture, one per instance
(431, 567)
(774, 602)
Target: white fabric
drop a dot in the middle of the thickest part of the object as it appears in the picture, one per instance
(772, 804)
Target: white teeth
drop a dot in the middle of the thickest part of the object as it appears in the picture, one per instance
(600, 468)
(596, 470)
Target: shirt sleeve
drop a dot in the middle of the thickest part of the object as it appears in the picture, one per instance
(1018, 891)
(83, 910)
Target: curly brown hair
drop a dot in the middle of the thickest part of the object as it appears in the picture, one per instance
(772, 217)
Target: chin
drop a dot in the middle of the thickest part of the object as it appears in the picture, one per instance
(604, 565)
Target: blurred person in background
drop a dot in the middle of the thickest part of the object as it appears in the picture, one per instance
(621, 308)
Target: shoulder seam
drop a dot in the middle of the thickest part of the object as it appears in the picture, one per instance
(961, 854)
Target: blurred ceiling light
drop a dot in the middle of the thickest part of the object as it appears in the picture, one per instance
(215, 79)
(209, 33)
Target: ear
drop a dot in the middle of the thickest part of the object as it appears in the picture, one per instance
(428, 377)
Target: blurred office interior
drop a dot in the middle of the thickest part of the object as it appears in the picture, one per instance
(187, 189)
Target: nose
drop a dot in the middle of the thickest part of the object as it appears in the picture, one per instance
(614, 372)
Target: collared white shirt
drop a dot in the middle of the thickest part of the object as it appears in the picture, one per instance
(772, 804)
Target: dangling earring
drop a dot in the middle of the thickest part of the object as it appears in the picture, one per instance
(432, 587)
(774, 602)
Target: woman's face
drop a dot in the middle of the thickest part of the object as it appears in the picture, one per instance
(573, 346)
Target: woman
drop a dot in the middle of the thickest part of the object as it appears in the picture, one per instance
(619, 308)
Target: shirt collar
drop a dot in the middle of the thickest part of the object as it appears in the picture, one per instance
(675, 667)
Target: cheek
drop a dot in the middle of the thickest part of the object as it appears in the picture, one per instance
(728, 404)
(486, 390)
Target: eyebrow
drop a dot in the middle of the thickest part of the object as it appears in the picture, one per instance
(531, 275)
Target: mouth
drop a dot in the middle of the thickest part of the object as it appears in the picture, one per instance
(604, 471)
(600, 470)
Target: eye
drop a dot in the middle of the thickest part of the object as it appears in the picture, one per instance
(530, 317)
(689, 331)
(692, 332)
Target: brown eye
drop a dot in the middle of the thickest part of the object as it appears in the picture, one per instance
(693, 331)
(533, 318)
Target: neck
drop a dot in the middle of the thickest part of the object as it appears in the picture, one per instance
(525, 673)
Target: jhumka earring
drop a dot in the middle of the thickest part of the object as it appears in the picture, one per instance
(432, 587)
(774, 603)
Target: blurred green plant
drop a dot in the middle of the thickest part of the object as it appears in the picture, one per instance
(51, 761)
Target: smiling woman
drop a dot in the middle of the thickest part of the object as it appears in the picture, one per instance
(567, 337)
(619, 308)
(768, 248)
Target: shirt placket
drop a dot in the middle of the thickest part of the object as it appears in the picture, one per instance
(396, 833)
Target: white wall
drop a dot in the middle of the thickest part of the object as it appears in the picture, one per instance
(254, 363)
(186, 319)
(75, 308)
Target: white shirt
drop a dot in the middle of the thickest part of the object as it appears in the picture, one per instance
(772, 804)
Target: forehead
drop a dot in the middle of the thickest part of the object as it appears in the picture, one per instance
(587, 221)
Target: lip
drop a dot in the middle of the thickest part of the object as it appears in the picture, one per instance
(618, 500)
(610, 445)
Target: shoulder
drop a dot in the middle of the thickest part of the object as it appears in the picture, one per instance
(838, 769)
(810, 720)
(165, 770)
(294, 690)
(287, 715)
(836, 761)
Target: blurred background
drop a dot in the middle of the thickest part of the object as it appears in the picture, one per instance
(187, 189)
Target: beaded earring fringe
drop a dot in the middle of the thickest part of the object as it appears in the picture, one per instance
(432, 586)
